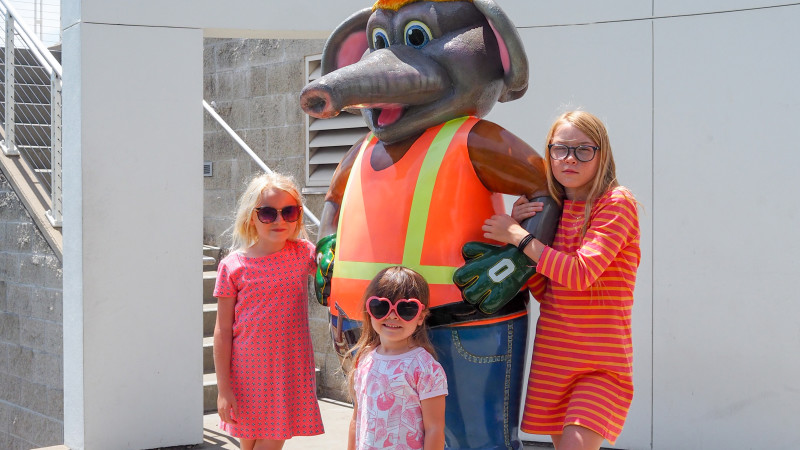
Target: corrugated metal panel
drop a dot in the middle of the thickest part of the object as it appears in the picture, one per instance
(332, 138)
(343, 120)
(328, 155)
(327, 140)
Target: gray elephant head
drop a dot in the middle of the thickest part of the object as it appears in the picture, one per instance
(409, 65)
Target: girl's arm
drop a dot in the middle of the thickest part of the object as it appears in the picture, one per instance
(223, 339)
(537, 284)
(524, 208)
(614, 222)
(433, 422)
(351, 434)
(505, 229)
(613, 226)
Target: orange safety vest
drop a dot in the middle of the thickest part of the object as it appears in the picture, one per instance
(418, 213)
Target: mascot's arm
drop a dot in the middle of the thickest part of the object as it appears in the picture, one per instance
(329, 220)
(492, 275)
(505, 163)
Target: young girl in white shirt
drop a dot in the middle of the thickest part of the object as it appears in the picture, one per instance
(398, 388)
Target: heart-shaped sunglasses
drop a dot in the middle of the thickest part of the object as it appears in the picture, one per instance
(407, 309)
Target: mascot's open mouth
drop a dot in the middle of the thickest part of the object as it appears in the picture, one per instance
(387, 116)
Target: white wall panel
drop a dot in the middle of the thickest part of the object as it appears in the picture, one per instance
(605, 69)
(133, 233)
(684, 7)
(229, 18)
(528, 13)
(726, 334)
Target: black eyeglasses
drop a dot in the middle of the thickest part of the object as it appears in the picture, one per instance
(583, 153)
(407, 309)
(268, 214)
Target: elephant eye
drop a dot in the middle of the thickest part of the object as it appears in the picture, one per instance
(417, 34)
(379, 39)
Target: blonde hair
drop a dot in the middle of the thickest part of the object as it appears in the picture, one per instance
(244, 233)
(394, 283)
(606, 176)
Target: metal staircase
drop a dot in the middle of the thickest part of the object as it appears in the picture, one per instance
(32, 104)
(30, 111)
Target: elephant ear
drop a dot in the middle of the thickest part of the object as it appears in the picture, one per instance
(512, 53)
(347, 43)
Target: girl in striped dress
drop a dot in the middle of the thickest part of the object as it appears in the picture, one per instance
(580, 385)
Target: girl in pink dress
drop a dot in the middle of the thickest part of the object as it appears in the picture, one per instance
(397, 386)
(581, 379)
(262, 346)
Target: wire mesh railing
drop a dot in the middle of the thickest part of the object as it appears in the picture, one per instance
(30, 105)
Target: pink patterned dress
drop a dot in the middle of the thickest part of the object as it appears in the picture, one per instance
(272, 360)
(389, 389)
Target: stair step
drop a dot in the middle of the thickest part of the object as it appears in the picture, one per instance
(211, 257)
(208, 355)
(209, 318)
(209, 279)
(27, 112)
(26, 73)
(210, 393)
(31, 93)
(38, 157)
(32, 134)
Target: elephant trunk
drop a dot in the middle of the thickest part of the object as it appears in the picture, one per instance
(383, 79)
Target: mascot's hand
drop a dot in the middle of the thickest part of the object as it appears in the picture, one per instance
(326, 248)
(492, 275)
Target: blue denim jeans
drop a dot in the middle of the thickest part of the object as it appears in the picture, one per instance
(484, 366)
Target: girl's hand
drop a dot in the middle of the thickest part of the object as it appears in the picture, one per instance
(504, 229)
(522, 209)
(226, 403)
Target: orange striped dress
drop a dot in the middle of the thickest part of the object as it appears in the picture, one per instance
(581, 373)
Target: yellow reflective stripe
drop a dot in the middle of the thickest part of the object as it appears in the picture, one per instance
(417, 222)
(423, 191)
(359, 270)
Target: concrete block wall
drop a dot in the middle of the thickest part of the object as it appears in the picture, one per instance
(31, 374)
(254, 84)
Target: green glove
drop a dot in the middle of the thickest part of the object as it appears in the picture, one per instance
(326, 248)
(492, 275)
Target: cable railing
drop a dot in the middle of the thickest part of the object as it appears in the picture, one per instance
(309, 215)
(30, 109)
(30, 105)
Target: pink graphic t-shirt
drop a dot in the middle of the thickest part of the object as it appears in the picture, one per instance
(389, 389)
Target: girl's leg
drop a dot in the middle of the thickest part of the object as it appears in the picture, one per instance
(576, 437)
(246, 444)
(268, 444)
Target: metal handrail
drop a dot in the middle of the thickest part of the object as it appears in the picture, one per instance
(41, 149)
(249, 151)
(42, 54)
(54, 69)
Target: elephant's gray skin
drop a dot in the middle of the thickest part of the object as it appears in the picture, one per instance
(462, 70)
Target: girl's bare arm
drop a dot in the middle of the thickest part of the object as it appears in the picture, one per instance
(223, 340)
(351, 434)
(433, 422)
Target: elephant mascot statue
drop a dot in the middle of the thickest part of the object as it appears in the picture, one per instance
(419, 186)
